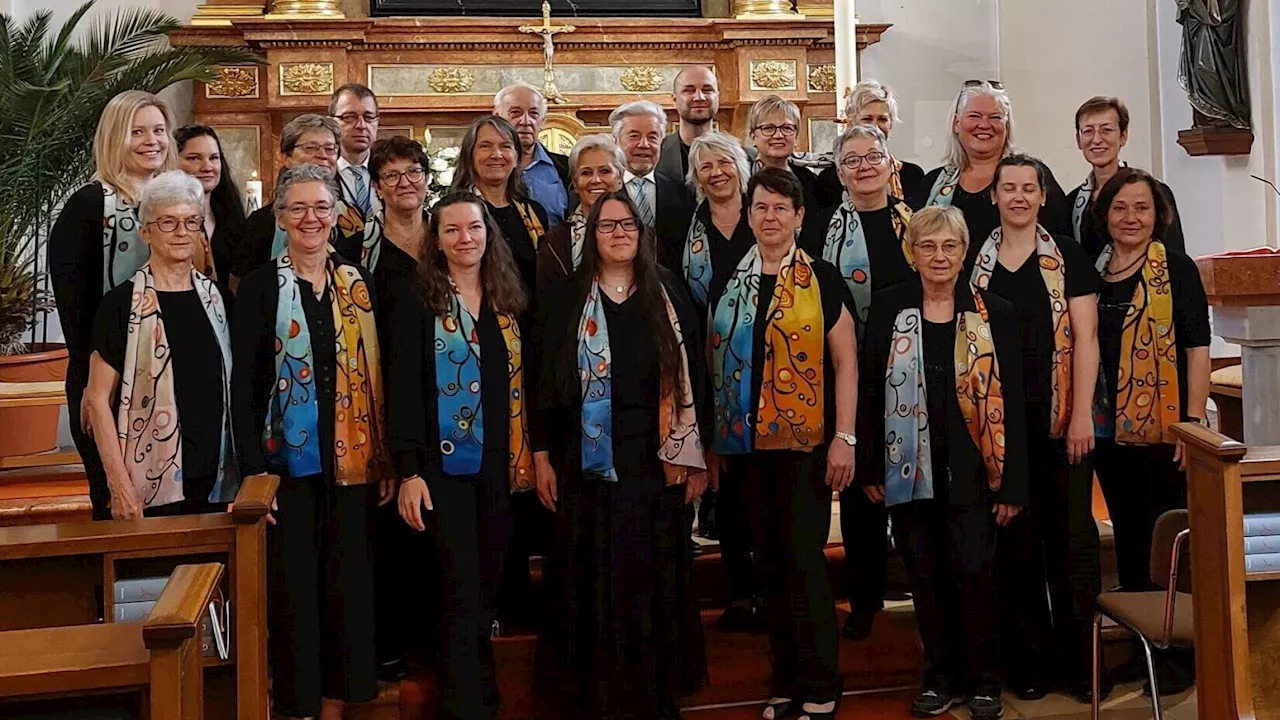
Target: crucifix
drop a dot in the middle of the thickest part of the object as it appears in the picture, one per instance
(546, 30)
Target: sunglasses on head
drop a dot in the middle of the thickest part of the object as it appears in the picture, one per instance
(995, 84)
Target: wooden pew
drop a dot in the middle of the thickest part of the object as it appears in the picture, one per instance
(1237, 614)
(162, 658)
(62, 571)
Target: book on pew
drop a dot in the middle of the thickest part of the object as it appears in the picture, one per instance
(135, 613)
(139, 589)
(1259, 524)
(1268, 562)
(1261, 544)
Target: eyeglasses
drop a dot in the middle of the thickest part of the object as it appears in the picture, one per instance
(608, 226)
(298, 212)
(995, 84)
(950, 248)
(392, 177)
(787, 130)
(351, 118)
(170, 224)
(851, 162)
(328, 150)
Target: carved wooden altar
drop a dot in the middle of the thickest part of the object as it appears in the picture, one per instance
(437, 74)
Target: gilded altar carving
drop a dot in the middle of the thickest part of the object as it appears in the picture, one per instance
(233, 82)
(642, 79)
(773, 74)
(306, 78)
(451, 80)
(822, 78)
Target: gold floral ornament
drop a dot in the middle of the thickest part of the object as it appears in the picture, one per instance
(233, 82)
(642, 79)
(306, 78)
(822, 78)
(451, 80)
(773, 75)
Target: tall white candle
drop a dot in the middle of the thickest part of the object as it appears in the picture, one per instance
(253, 193)
(846, 51)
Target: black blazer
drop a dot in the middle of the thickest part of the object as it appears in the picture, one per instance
(672, 216)
(670, 157)
(968, 481)
(562, 169)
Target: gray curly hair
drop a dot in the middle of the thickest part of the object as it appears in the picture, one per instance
(170, 188)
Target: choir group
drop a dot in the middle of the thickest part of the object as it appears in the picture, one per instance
(563, 353)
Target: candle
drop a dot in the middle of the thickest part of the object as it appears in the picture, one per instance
(253, 193)
(846, 23)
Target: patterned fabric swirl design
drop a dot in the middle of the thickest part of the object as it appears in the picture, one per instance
(943, 192)
(908, 455)
(123, 250)
(979, 390)
(846, 248)
(697, 259)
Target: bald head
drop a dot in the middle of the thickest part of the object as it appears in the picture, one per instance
(696, 93)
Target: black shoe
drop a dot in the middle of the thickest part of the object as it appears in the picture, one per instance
(932, 702)
(986, 704)
(737, 618)
(707, 530)
(1083, 691)
(857, 626)
(1131, 670)
(1030, 692)
(391, 671)
(896, 596)
(1173, 678)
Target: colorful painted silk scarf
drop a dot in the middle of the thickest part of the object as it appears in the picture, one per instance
(944, 188)
(908, 460)
(1147, 404)
(291, 435)
(123, 251)
(1053, 272)
(681, 449)
(846, 248)
(577, 232)
(697, 259)
(789, 414)
(371, 246)
(460, 415)
(532, 224)
(895, 178)
(147, 421)
(1078, 206)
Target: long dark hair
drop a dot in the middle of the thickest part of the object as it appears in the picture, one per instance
(224, 201)
(503, 289)
(464, 177)
(1129, 176)
(649, 290)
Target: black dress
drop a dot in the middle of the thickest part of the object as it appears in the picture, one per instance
(626, 639)
(197, 366)
(320, 565)
(982, 216)
(516, 234)
(226, 235)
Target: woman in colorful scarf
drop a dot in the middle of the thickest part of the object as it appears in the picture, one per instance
(720, 234)
(944, 448)
(873, 103)
(1102, 131)
(785, 378)
(623, 376)
(459, 435)
(773, 126)
(1153, 328)
(96, 245)
(491, 165)
(981, 134)
(1053, 285)
(305, 140)
(200, 156)
(865, 238)
(307, 403)
(596, 166)
(162, 341)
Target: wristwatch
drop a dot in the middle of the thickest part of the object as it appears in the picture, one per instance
(848, 438)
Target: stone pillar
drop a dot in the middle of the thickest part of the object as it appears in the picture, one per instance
(846, 52)
(1257, 331)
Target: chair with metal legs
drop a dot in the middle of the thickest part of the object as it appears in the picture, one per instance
(1160, 619)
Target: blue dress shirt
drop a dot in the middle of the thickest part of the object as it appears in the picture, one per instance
(545, 186)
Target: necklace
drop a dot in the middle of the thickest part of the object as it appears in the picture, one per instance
(1126, 268)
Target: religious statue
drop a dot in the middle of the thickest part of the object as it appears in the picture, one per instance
(549, 89)
(1211, 66)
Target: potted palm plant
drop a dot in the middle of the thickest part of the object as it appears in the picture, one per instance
(55, 88)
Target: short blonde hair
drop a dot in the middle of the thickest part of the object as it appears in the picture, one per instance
(111, 140)
(602, 142)
(725, 145)
(768, 105)
(867, 92)
(938, 220)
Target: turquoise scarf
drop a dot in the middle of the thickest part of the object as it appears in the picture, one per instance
(292, 433)
(944, 188)
(595, 369)
(123, 251)
(459, 418)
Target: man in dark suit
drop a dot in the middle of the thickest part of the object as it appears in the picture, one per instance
(696, 93)
(546, 173)
(665, 203)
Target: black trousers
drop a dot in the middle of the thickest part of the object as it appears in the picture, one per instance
(950, 553)
(320, 595)
(532, 527)
(737, 512)
(99, 494)
(471, 525)
(864, 527)
(792, 537)
(1140, 482)
(406, 587)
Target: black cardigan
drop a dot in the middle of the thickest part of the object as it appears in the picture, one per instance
(969, 483)
(75, 268)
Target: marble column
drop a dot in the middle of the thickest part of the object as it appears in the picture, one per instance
(846, 51)
(1257, 331)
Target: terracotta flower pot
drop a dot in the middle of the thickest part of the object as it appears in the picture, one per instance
(28, 430)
